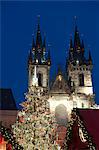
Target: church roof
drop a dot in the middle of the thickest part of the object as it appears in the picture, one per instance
(60, 85)
(7, 101)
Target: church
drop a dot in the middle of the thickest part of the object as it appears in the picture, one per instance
(71, 96)
(75, 90)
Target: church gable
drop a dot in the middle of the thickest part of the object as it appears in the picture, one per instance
(60, 85)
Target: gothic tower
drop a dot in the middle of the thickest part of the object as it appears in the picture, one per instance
(66, 92)
(39, 62)
(79, 67)
(75, 90)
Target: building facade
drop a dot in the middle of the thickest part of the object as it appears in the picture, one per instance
(8, 108)
(73, 91)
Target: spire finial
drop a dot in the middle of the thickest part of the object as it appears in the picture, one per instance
(76, 36)
(75, 21)
(38, 37)
(38, 17)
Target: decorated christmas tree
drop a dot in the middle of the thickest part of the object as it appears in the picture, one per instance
(35, 126)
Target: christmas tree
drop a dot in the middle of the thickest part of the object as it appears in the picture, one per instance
(35, 126)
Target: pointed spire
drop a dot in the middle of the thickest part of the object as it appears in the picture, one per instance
(71, 49)
(76, 39)
(90, 58)
(71, 44)
(75, 20)
(44, 43)
(30, 57)
(38, 29)
(33, 44)
(38, 36)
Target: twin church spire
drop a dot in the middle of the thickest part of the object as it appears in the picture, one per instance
(77, 49)
(38, 53)
(39, 62)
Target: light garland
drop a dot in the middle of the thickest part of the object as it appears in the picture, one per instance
(81, 135)
(35, 127)
(9, 137)
(69, 132)
(86, 137)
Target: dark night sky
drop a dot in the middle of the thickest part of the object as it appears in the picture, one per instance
(19, 22)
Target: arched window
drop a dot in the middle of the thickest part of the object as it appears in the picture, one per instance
(40, 79)
(81, 80)
(61, 115)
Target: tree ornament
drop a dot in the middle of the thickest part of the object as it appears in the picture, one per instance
(36, 126)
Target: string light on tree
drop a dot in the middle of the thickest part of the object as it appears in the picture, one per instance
(35, 126)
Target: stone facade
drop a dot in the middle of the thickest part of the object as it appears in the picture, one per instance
(66, 93)
(42, 70)
(40, 58)
(75, 71)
